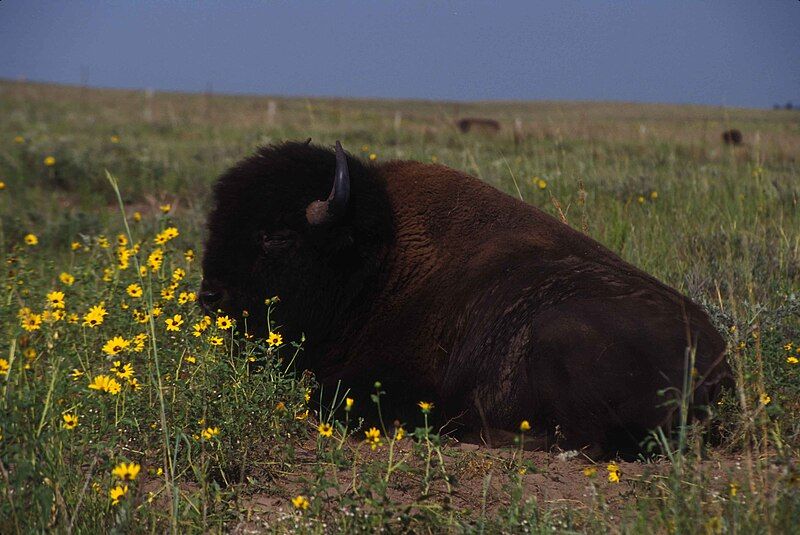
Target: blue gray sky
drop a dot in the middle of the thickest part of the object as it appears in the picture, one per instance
(734, 52)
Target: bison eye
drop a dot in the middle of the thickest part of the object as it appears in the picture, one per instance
(271, 241)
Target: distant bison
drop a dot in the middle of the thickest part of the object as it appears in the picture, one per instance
(447, 290)
(732, 137)
(467, 124)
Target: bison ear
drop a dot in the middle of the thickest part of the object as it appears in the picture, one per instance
(333, 209)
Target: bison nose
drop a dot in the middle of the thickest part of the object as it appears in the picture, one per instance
(210, 299)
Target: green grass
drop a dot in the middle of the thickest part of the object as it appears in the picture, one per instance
(653, 183)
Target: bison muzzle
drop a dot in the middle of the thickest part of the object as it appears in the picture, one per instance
(447, 290)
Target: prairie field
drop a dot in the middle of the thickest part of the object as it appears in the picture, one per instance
(124, 409)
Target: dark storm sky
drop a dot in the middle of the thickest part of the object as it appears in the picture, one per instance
(734, 52)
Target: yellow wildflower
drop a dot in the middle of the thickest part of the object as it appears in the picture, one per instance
(325, 430)
(155, 259)
(524, 426)
(115, 346)
(66, 278)
(165, 208)
(31, 239)
(791, 359)
(178, 275)
(123, 372)
(426, 406)
(613, 472)
(75, 246)
(188, 255)
(198, 329)
(274, 339)
(117, 493)
(50, 161)
(137, 342)
(32, 322)
(95, 316)
(137, 216)
(123, 258)
(75, 374)
(126, 472)
(186, 297)
(764, 399)
(4, 366)
(224, 323)
(174, 323)
(590, 471)
(104, 383)
(56, 299)
(134, 290)
(348, 404)
(139, 316)
(210, 432)
(300, 502)
(373, 437)
(70, 421)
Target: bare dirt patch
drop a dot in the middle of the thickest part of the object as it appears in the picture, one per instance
(481, 482)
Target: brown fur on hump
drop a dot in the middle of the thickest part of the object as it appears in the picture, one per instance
(479, 267)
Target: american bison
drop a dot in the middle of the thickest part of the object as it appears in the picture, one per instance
(732, 137)
(469, 123)
(447, 290)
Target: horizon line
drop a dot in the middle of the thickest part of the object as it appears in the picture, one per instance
(197, 92)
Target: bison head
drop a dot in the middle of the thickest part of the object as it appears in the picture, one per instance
(300, 222)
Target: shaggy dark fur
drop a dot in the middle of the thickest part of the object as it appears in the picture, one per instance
(447, 290)
(732, 137)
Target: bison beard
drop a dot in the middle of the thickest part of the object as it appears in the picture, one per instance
(447, 290)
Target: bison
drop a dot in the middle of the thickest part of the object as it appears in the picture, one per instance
(450, 291)
(469, 123)
(732, 137)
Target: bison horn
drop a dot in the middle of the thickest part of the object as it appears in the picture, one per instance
(332, 209)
